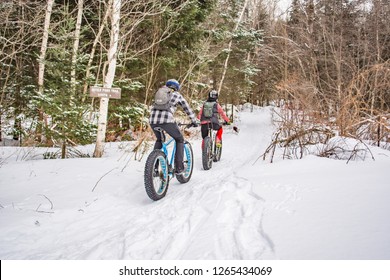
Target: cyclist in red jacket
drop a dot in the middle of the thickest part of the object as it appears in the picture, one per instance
(208, 117)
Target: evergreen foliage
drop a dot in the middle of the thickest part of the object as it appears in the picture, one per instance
(338, 49)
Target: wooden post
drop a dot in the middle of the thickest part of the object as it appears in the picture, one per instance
(104, 94)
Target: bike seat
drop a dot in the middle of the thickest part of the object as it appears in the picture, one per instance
(159, 129)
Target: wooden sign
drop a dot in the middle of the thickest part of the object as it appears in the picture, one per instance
(114, 93)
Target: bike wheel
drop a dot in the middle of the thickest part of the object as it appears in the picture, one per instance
(188, 164)
(217, 153)
(156, 176)
(207, 153)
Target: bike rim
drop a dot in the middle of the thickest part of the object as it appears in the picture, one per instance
(210, 154)
(187, 162)
(160, 181)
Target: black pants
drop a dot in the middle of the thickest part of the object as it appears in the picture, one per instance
(205, 128)
(173, 130)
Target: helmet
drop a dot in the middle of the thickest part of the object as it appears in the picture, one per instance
(173, 84)
(213, 94)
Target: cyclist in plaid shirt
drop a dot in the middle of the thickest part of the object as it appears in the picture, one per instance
(166, 120)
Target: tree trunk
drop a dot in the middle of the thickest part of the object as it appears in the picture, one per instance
(109, 78)
(92, 54)
(41, 69)
(154, 65)
(76, 46)
(230, 46)
(45, 38)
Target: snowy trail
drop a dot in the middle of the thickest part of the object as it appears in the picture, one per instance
(180, 226)
(217, 198)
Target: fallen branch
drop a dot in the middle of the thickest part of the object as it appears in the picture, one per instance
(298, 138)
(367, 149)
(102, 178)
(51, 203)
(41, 211)
(140, 147)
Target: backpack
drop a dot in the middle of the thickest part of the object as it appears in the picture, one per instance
(162, 98)
(208, 109)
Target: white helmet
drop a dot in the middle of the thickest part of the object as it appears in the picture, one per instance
(213, 94)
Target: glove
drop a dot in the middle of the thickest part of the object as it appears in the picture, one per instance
(235, 128)
(195, 124)
(227, 123)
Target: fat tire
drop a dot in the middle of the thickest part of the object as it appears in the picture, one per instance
(148, 175)
(218, 152)
(207, 161)
(189, 156)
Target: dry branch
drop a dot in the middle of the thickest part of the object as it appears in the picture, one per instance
(102, 178)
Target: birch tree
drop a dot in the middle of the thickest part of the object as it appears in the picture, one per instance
(225, 66)
(109, 78)
(42, 56)
(76, 45)
(45, 38)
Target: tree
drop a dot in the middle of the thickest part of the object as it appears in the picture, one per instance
(76, 45)
(230, 45)
(45, 37)
(109, 78)
(41, 68)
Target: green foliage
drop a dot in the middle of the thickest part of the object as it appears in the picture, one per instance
(67, 121)
(194, 38)
(131, 116)
(129, 85)
(248, 38)
(70, 153)
(51, 155)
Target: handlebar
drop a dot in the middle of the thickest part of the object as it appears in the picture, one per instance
(187, 125)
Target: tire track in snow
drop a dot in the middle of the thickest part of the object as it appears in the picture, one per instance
(223, 199)
(244, 218)
(217, 215)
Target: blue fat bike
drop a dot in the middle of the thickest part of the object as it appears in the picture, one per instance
(159, 167)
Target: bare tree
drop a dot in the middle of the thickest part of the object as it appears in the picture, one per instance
(109, 78)
(45, 37)
(225, 66)
(76, 45)
(41, 67)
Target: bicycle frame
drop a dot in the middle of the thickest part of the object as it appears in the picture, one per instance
(171, 161)
(164, 148)
(212, 134)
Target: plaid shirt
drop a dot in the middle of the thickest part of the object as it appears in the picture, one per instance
(158, 116)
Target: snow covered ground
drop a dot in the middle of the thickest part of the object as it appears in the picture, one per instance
(241, 209)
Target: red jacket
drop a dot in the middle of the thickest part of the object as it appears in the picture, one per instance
(221, 112)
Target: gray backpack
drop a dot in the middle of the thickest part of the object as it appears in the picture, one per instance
(162, 98)
(208, 109)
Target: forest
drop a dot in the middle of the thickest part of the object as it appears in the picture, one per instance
(326, 63)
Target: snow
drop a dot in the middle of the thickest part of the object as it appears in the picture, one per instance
(244, 208)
